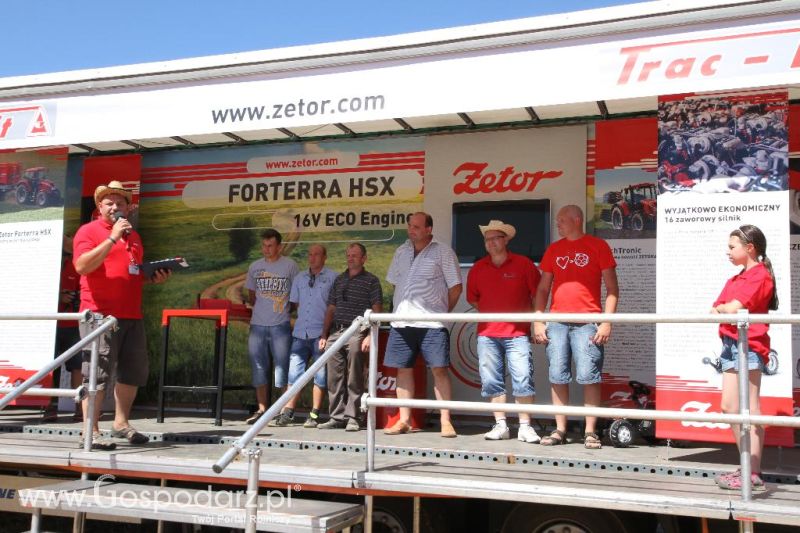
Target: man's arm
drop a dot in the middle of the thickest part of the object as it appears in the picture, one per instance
(539, 304)
(90, 261)
(612, 297)
(376, 308)
(326, 326)
(453, 294)
(251, 297)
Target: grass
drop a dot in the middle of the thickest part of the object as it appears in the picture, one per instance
(168, 229)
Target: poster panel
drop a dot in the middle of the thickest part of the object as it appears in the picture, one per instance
(794, 228)
(723, 162)
(625, 215)
(500, 168)
(210, 206)
(31, 223)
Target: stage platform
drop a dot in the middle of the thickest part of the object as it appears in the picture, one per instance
(662, 479)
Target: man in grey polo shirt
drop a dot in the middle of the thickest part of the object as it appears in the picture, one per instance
(427, 279)
(353, 292)
(309, 296)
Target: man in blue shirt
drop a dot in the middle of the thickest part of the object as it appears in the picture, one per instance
(309, 297)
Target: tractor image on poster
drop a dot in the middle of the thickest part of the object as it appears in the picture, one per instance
(634, 207)
(29, 187)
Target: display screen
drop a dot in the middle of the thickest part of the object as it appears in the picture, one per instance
(531, 218)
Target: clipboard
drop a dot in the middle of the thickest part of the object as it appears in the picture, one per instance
(175, 263)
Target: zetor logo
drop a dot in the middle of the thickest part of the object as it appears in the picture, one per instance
(508, 179)
(700, 407)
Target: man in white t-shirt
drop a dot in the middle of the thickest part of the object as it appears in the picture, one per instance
(426, 278)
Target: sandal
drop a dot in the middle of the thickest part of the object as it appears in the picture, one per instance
(553, 439)
(129, 433)
(592, 442)
(99, 443)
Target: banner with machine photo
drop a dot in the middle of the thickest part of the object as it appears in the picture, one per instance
(625, 196)
(31, 224)
(722, 163)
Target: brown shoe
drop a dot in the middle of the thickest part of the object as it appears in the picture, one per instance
(448, 431)
(398, 428)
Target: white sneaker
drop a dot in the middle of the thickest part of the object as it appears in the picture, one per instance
(528, 434)
(498, 432)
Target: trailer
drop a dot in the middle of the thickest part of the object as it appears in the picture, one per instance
(336, 142)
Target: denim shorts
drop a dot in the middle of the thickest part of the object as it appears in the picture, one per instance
(494, 353)
(405, 343)
(304, 353)
(730, 357)
(269, 343)
(568, 342)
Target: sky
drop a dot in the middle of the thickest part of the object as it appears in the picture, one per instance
(41, 36)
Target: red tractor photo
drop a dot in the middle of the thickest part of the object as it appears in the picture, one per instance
(29, 187)
(634, 207)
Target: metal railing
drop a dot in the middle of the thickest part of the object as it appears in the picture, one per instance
(28, 387)
(371, 401)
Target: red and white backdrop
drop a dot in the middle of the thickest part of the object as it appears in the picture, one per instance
(466, 168)
(723, 162)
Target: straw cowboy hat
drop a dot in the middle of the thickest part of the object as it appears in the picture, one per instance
(113, 187)
(498, 225)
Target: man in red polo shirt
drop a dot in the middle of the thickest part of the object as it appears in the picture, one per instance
(575, 267)
(108, 252)
(504, 282)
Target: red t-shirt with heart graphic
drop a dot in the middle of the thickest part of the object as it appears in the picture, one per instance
(577, 268)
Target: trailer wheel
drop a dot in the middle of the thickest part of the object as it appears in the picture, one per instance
(531, 518)
(617, 219)
(621, 433)
(637, 222)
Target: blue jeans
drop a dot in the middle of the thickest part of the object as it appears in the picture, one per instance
(306, 352)
(269, 343)
(493, 355)
(730, 357)
(568, 342)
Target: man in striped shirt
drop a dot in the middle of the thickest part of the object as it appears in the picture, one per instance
(427, 279)
(354, 291)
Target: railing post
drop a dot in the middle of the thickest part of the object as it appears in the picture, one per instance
(251, 503)
(92, 399)
(372, 387)
(743, 323)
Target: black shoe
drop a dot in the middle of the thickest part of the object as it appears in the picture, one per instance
(282, 420)
(333, 424)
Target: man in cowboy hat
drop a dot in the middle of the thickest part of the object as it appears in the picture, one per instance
(504, 282)
(108, 252)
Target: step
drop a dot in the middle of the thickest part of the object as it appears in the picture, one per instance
(276, 512)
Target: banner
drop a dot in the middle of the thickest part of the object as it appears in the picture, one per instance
(210, 206)
(639, 65)
(625, 196)
(723, 162)
(31, 225)
(498, 169)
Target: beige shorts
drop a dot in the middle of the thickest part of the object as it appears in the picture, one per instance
(124, 346)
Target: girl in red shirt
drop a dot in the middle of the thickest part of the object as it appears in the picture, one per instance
(753, 289)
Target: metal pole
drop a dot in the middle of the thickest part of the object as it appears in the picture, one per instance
(36, 520)
(744, 406)
(369, 505)
(91, 401)
(372, 390)
(415, 523)
(251, 504)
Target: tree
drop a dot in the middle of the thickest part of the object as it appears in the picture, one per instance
(241, 239)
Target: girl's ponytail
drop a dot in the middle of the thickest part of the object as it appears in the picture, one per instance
(750, 234)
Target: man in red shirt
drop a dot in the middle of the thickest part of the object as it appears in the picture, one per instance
(504, 282)
(108, 252)
(574, 267)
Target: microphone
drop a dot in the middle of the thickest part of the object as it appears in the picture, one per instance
(117, 216)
